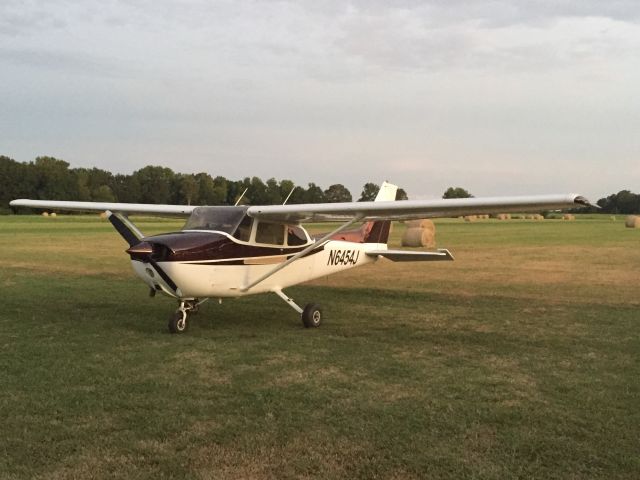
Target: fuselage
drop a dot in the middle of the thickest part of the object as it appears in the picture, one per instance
(203, 264)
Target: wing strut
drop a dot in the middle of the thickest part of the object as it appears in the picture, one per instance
(301, 253)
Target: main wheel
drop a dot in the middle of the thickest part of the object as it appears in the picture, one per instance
(178, 322)
(312, 316)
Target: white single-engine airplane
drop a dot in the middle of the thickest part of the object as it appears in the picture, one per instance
(231, 251)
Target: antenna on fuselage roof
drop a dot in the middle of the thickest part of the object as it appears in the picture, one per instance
(287, 199)
(240, 197)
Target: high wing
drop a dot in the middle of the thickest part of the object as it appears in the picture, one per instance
(125, 208)
(331, 212)
(412, 209)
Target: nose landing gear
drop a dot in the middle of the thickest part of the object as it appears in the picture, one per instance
(178, 320)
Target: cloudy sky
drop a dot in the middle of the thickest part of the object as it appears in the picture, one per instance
(501, 97)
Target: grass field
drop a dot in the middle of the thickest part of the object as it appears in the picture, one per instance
(521, 359)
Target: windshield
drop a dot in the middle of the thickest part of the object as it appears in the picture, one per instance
(222, 219)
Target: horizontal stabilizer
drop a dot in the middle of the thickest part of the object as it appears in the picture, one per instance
(413, 256)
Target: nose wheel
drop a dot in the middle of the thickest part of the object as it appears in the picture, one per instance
(178, 321)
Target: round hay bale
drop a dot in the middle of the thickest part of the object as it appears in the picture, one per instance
(568, 216)
(418, 237)
(632, 221)
(425, 223)
(45, 214)
(53, 214)
(103, 215)
(470, 218)
(537, 216)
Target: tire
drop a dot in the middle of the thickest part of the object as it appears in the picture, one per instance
(312, 316)
(176, 323)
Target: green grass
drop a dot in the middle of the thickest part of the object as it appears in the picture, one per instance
(519, 360)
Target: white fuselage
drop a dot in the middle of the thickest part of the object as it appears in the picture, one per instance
(205, 279)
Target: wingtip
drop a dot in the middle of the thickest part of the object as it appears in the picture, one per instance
(584, 201)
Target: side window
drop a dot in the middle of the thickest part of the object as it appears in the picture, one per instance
(271, 233)
(295, 236)
(243, 232)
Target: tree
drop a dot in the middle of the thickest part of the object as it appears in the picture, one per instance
(295, 193)
(456, 192)
(126, 188)
(272, 192)
(401, 194)
(155, 184)
(257, 193)
(54, 180)
(622, 202)
(314, 194)
(103, 194)
(189, 188)
(337, 193)
(369, 192)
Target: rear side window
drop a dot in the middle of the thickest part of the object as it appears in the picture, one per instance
(295, 236)
(271, 233)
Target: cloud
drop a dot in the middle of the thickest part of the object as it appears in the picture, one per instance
(332, 89)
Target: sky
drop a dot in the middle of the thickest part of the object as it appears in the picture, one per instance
(499, 97)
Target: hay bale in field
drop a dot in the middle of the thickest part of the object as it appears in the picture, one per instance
(103, 215)
(45, 214)
(418, 237)
(470, 218)
(425, 223)
(632, 221)
(503, 216)
(53, 214)
(537, 216)
(568, 216)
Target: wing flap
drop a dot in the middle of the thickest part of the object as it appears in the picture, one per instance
(440, 255)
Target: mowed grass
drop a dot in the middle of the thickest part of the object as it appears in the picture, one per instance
(518, 360)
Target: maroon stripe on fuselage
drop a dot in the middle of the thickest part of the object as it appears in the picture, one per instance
(202, 246)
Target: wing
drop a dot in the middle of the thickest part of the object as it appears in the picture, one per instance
(126, 208)
(410, 209)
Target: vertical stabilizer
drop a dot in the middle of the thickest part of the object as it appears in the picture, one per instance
(387, 192)
(378, 232)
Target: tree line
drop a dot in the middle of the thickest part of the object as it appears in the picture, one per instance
(49, 178)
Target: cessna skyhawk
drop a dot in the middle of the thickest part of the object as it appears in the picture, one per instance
(231, 251)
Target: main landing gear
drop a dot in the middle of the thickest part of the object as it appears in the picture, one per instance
(178, 320)
(311, 315)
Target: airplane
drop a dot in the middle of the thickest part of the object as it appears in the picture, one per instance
(233, 251)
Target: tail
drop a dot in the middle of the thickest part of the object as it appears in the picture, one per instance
(378, 231)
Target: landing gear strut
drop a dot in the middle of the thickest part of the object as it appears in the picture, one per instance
(311, 315)
(178, 320)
